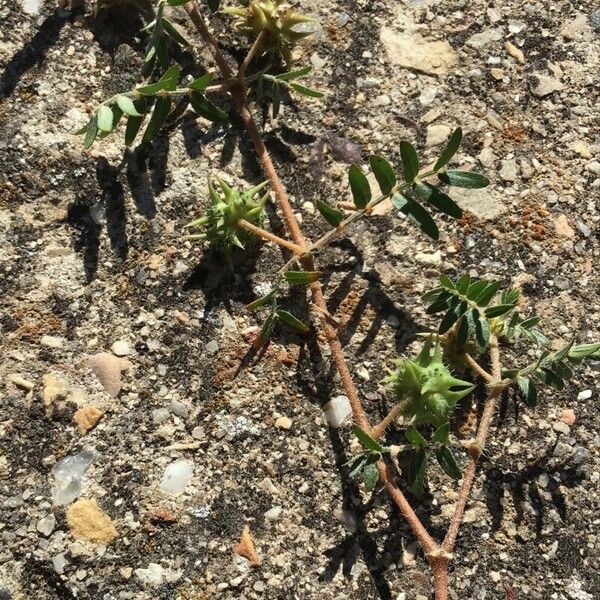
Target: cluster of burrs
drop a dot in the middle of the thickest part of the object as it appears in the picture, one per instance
(229, 206)
(426, 388)
(282, 26)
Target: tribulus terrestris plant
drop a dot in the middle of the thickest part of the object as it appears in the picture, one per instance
(477, 317)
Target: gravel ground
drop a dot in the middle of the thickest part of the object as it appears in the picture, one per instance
(121, 345)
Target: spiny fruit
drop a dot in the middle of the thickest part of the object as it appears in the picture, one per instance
(426, 388)
(278, 21)
(227, 208)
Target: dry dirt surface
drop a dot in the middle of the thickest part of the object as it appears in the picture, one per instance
(122, 346)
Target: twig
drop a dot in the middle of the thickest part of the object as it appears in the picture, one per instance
(256, 46)
(380, 428)
(476, 447)
(477, 368)
(271, 237)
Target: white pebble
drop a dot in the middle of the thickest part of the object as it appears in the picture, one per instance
(336, 411)
(176, 477)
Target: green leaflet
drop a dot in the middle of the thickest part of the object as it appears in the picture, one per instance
(160, 113)
(359, 185)
(205, 108)
(464, 179)
(410, 161)
(450, 149)
(384, 173)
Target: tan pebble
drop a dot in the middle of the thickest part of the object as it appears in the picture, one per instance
(87, 418)
(568, 416)
(155, 262)
(283, 423)
(515, 52)
(562, 227)
(55, 388)
(21, 382)
(88, 521)
(107, 369)
(246, 548)
(497, 74)
(581, 148)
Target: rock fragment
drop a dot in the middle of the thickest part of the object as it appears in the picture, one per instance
(544, 85)
(87, 417)
(246, 548)
(336, 411)
(411, 51)
(88, 521)
(108, 369)
(562, 227)
(156, 575)
(55, 388)
(176, 477)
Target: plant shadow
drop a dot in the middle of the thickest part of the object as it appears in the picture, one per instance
(360, 542)
(524, 486)
(34, 52)
(219, 282)
(119, 25)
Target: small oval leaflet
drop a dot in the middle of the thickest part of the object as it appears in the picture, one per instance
(105, 118)
(127, 106)
(359, 185)
(464, 179)
(332, 215)
(384, 173)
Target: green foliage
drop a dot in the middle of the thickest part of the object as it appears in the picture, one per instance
(332, 215)
(359, 184)
(291, 321)
(364, 465)
(410, 161)
(228, 206)
(470, 317)
(302, 277)
(411, 195)
(553, 369)
(415, 456)
(160, 112)
(466, 310)
(276, 21)
(168, 82)
(163, 36)
(159, 97)
(464, 179)
(205, 108)
(384, 174)
(426, 389)
(284, 80)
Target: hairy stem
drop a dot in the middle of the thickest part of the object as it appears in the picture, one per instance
(271, 237)
(256, 46)
(307, 261)
(476, 448)
(478, 369)
(440, 577)
(390, 418)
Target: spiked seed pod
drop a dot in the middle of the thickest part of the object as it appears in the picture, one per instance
(228, 206)
(279, 22)
(428, 390)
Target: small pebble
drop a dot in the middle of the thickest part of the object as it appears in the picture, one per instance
(274, 513)
(120, 348)
(283, 423)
